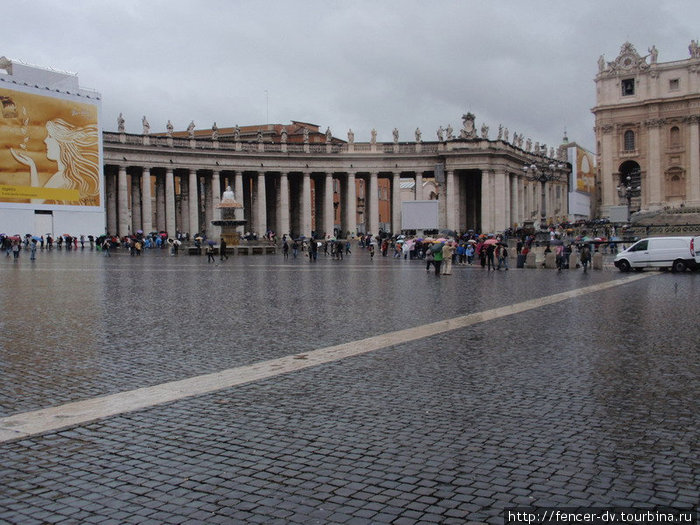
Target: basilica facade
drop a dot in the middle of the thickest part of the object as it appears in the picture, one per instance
(647, 125)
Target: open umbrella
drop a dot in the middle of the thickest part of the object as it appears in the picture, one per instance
(490, 241)
(556, 242)
(449, 233)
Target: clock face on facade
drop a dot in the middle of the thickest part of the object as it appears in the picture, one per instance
(627, 62)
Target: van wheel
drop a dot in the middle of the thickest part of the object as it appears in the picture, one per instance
(624, 266)
(678, 266)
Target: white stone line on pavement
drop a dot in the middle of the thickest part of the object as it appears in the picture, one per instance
(28, 424)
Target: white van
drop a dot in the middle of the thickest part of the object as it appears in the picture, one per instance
(677, 253)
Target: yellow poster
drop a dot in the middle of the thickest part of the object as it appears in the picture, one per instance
(49, 150)
(585, 171)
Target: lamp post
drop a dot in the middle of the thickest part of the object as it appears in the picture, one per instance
(627, 191)
(543, 173)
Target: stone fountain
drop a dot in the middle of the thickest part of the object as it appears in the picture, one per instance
(228, 221)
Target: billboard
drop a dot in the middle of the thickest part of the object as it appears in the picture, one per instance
(419, 215)
(583, 170)
(49, 151)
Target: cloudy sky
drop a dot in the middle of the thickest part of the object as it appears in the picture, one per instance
(528, 65)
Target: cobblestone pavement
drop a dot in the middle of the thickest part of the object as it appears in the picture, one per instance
(590, 402)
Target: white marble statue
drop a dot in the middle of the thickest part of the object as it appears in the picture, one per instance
(190, 129)
(396, 135)
(484, 131)
(214, 132)
(146, 125)
(169, 126)
(373, 136)
(351, 137)
(120, 123)
(441, 134)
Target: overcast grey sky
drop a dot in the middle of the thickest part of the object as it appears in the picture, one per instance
(529, 65)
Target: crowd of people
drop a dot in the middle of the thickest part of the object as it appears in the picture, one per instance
(440, 253)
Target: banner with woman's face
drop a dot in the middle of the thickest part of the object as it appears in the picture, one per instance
(49, 150)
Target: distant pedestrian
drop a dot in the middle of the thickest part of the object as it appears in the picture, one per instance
(437, 261)
(222, 249)
(32, 248)
(371, 252)
(295, 248)
(585, 257)
(285, 249)
(210, 253)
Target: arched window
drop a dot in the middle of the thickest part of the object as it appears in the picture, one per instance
(675, 137)
(629, 140)
(675, 184)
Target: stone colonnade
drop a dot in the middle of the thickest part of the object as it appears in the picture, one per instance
(157, 191)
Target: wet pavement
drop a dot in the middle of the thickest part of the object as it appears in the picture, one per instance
(591, 401)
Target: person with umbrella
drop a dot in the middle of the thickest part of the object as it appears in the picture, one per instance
(210, 252)
(585, 255)
(447, 251)
(502, 252)
(437, 257)
(32, 247)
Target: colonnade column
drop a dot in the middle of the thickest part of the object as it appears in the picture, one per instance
(283, 211)
(123, 202)
(514, 202)
(306, 204)
(396, 203)
(694, 165)
(418, 193)
(350, 205)
(135, 204)
(486, 202)
(450, 223)
(373, 203)
(260, 205)
(160, 203)
(215, 201)
(194, 202)
(238, 193)
(170, 224)
(499, 201)
(328, 211)
(110, 189)
(146, 208)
